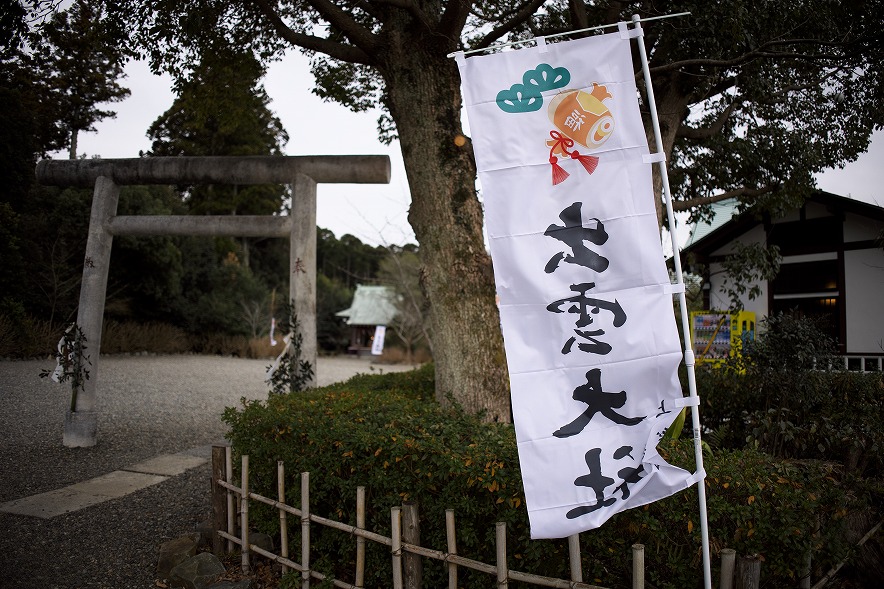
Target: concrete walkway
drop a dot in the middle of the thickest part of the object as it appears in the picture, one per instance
(113, 485)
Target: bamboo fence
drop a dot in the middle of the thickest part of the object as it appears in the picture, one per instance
(404, 542)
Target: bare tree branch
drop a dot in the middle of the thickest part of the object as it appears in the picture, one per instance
(341, 19)
(689, 132)
(718, 88)
(333, 49)
(496, 17)
(519, 17)
(454, 18)
(686, 205)
(412, 8)
(615, 8)
(579, 19)
(368, 7)
(759, 53)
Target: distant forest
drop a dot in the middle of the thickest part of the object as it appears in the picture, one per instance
(202, 285)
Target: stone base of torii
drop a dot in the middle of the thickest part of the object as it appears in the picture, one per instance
(303, 173)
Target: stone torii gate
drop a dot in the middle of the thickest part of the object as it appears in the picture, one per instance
(303, 173)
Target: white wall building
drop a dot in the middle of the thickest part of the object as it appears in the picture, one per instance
(832, 267)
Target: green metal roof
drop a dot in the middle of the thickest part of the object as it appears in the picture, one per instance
(722, 212)
(372, 305)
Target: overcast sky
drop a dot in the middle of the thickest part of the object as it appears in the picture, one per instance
(376, 214)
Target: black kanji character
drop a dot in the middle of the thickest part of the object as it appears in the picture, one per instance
(599, 401)
(585, 306)
(596, 481)
(593, 347)
(629, 475)
(662, 408)
(573, 234)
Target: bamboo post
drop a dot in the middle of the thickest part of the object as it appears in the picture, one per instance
(807, 569)
(411, 534)
(834, 570)
(748, 572)
(244, 515)
(283, 526)
(396, 546)
(574, 558)
(638, 566)
(728, 557)
(500, 543)
(305, 530)
(360, 540)
(452, 547)
(231, 522)
(219, 499)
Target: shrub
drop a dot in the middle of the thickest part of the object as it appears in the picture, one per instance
(23, 337)
(783, 397)
(158, 338)
(221, 344)
(388, 434)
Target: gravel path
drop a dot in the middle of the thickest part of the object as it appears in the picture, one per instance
(149, 406)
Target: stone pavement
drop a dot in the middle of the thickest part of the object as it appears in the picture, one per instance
(94, 518)
(113, 485)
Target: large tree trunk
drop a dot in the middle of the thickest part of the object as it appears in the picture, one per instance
(72, 152)
(424, 99)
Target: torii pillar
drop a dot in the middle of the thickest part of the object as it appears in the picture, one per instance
(303, 173)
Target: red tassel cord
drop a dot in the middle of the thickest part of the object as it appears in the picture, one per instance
(590, 162)
(558, 172)
(559, 145)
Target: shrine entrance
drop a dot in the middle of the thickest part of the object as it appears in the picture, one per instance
(302, 173)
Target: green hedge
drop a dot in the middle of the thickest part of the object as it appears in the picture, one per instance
(387, 433)
(825, 415)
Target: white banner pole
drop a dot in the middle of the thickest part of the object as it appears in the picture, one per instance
(682, 303)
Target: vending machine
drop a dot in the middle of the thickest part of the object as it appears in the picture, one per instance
(716, 335)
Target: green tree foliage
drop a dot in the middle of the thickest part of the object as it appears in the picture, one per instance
(753, 99)
(746, 268)
(788, 395)
(29, 117)
(12, 24)
(16, 167)
(53, 229)
(292, 374)
(79, 64)
(15, 19)
(221, 109)
(144, 282)
(347, 260)
(206, 286)
(332, 295)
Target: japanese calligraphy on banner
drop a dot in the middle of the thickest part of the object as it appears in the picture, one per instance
(585, 301)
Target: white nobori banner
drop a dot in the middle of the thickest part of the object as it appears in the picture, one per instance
(585, 300)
